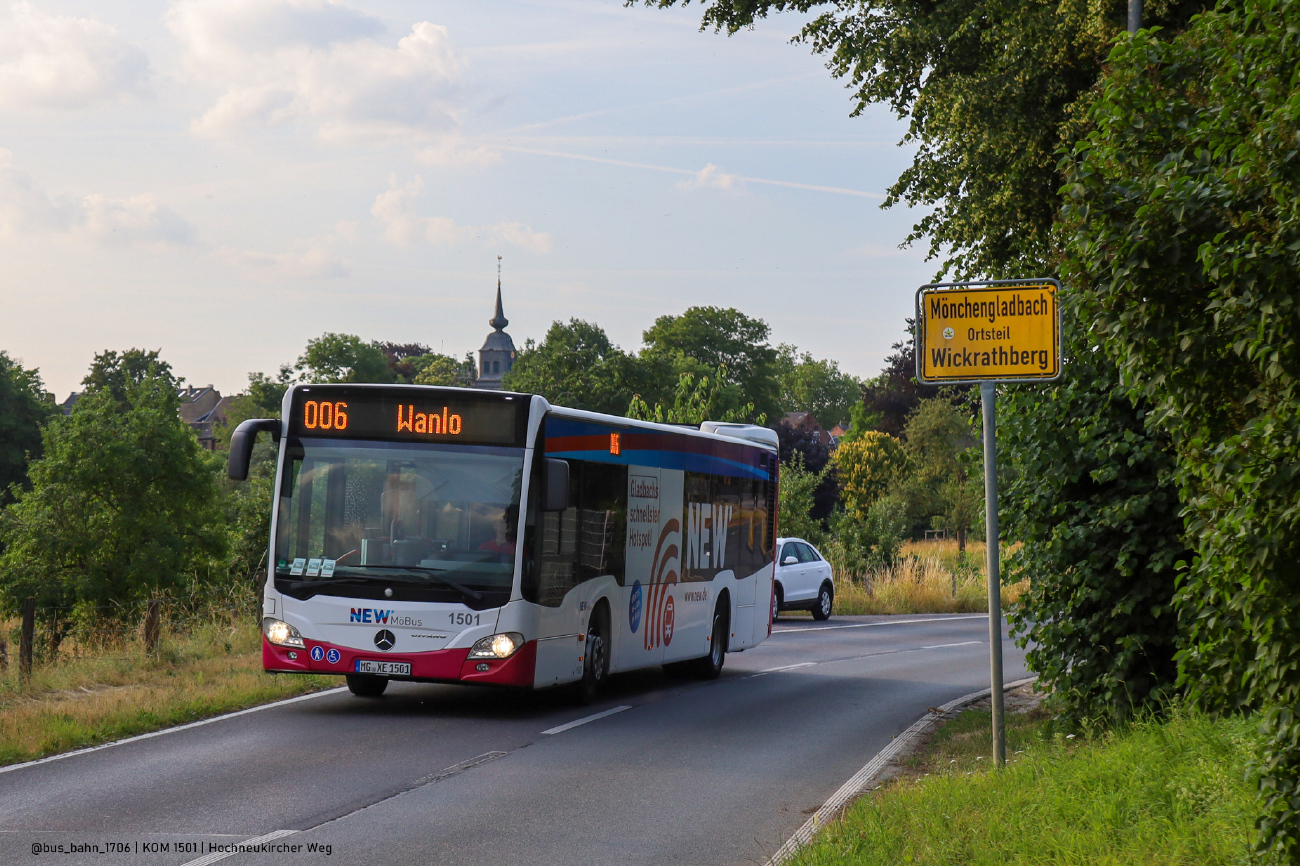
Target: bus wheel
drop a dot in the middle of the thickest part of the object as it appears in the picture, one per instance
(595, 658)
(366, 686)
(710, 666)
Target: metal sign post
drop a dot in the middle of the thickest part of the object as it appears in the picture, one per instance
(985, 333)
(988, 400)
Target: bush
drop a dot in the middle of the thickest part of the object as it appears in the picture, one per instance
(124, 505)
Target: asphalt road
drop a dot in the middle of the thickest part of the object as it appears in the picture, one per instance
(685, 772)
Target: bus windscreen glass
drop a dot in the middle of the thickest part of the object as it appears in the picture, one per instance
(432, 522)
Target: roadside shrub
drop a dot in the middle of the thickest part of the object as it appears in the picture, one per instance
(123, 505)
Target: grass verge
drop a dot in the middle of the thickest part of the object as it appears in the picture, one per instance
(88, 699)
(1156, 792)
(929, 577)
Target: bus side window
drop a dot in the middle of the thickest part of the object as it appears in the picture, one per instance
(587, 539)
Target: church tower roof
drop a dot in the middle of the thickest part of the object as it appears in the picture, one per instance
(499, 321)
(498, 353)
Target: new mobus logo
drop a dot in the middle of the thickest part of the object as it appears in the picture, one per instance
(368, 614)
(383, 617)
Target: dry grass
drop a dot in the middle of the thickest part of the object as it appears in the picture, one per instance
(929, 577)
(91, 695)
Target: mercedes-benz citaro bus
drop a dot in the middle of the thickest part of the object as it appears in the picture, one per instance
(452, 535)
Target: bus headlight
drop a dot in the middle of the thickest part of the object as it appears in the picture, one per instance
(497, 646)
(281, 633)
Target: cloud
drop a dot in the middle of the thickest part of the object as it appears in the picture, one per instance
(452, 150)
(315, 262)
(319, 64)
(139, 219)
(58, 61)
(310, 259)
(712, 176)
(394, 208)
(27, 207)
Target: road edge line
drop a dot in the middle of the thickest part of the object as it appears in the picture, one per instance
(214, 856)
(171, 730)
(859, 781)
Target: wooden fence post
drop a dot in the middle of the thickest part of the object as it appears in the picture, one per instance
(4, 655)
(25, 642)
(152, 617)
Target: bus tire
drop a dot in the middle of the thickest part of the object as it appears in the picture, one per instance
(709, 667)
(825, 601)
(595, 656)
(366, 685)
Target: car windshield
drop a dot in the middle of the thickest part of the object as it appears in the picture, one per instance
(425, 521)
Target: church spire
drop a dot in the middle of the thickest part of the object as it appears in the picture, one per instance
(499, 321)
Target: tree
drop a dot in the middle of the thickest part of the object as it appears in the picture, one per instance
(1184, 229)
(693, 403)
(894, 395)
(403, 359)
(343, 358)
(990, 88)
(575, 365)
(24, 409)
(1091, 494)
(262, 399)
(117, 373)
(940, 443)
(797, 486)
(436, 369)
(809, 385)
(123, 505)
(866, 468)
(806, 445)
(726, 342)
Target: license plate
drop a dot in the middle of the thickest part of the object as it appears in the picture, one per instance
(368, 666)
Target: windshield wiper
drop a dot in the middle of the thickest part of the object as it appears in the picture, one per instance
(363, 578)
(432, 572)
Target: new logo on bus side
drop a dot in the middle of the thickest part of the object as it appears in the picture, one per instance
(634, 607)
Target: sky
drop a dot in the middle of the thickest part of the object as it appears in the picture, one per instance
(223, 180)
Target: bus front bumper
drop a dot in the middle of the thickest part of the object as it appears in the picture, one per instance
(444, 666)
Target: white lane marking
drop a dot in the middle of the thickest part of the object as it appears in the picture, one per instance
(559, 729)
(788, 667)
(946, 645)
(184, 727)
(239, 848)
(777, 631)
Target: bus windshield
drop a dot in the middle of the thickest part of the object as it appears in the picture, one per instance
(399, 520)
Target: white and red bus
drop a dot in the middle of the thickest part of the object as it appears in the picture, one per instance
(452, 535)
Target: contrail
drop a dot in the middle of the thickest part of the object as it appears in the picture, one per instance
(673, 170)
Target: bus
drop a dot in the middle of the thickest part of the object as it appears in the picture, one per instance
(459, 536)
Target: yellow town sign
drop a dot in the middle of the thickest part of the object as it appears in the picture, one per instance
(978, 333)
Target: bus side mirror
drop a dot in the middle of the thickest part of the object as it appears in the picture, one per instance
(555, 484)
(242, 441)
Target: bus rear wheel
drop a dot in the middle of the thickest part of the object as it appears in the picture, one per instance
(709, 667)
(366, 685)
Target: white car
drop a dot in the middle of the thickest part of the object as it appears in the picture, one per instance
(803, 579)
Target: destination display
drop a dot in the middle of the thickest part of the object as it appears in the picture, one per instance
(407, 414)
(1000, 332)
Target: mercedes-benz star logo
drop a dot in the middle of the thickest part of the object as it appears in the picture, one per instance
(384, 639)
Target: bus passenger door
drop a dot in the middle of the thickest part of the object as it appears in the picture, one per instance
(558, 619)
